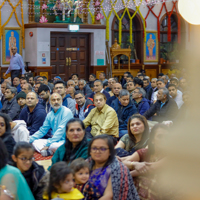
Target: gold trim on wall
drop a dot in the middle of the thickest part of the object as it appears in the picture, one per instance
(4, 43)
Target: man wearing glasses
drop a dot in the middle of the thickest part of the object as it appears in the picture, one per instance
(83, 106)
(16, 64)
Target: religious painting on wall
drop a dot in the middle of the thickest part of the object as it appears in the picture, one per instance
(151, 47)
(11, 38)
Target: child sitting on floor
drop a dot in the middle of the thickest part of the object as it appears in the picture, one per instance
(81, 172)
(61, 183)
(32, 172)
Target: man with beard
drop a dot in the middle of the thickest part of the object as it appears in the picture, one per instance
(44, 93)
(83, 105)
(55, 120)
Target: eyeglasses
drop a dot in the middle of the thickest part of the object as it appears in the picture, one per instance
(135, 92)
(101, 149)
(96, 100)
(78, 98)
(26, 159)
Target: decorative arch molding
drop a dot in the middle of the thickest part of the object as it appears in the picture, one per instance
(138, 31)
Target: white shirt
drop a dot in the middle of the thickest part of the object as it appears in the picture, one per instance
(179, 99)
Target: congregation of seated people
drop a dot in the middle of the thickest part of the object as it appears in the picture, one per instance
(103, 135)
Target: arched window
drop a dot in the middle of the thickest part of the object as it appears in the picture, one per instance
(137, 33)
(169, 50)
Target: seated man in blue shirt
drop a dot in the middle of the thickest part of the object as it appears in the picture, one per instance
(16, 83)
(56, 120)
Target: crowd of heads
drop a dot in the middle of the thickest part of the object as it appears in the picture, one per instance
(137, 104)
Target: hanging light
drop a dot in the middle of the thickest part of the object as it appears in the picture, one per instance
(189, 10)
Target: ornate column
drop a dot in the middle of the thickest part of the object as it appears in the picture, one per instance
(31, 11)
(85, 12)
(97, 10)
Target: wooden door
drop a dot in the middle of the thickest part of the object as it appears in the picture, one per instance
(69, 54)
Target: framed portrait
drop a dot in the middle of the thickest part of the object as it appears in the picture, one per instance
(11, 38)
(151, 47)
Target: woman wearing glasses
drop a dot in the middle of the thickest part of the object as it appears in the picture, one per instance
(32, 172)
(76, 145)
(13, 186)
(108, 176)
(5, 133)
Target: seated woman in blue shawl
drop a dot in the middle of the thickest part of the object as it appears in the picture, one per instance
(110, 178)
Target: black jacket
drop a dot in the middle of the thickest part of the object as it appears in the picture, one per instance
(35, 119)
(86, 90)
(9, 142)
(11, 108)
(33, 177)
(123, 113)
(168, 111)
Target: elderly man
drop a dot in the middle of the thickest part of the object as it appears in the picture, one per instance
(55, 120)
(84, 88)
(16, 83)
(71, 91)
(67, 101)
(16, 63)
(98, 87)
(165, 108)
(124, 109)
(11, 106)
(141, 103)
(27, 88)
(166, 80)
(102, 119)
(70, 83)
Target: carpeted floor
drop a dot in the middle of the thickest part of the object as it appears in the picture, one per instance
(38, 157)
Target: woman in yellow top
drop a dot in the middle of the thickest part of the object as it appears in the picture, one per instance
(61, 184)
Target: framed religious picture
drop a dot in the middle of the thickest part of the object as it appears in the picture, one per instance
(11, 38)
(151, 47)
